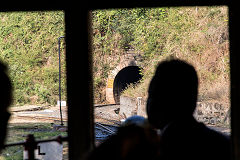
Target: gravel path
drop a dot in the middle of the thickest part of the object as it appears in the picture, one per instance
(106, 114)
(37, 114)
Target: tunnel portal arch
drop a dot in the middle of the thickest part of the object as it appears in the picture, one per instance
(126, 72)
(126, 76)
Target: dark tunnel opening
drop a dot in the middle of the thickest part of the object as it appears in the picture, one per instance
(126, 76)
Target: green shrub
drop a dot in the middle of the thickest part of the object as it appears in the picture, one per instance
(28, 44)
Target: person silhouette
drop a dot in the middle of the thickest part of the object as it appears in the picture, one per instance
(172, 98)
(6, 100)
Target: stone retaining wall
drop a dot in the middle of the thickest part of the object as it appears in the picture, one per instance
(212, 113)
(206, 112)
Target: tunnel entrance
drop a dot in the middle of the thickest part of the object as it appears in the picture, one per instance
(126, 76)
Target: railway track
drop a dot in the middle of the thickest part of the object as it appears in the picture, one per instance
(40, 118)
(105, 125)
(103, 131)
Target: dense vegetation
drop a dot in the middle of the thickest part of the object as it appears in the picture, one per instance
(198, 35)
(28, 44)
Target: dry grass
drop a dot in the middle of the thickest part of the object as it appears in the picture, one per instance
(206, 47)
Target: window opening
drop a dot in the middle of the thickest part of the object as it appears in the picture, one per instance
(144, 36)
(30, 48)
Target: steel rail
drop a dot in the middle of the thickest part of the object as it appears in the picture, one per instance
(106, 128)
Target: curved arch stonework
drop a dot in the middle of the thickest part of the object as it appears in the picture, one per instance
(129, 61)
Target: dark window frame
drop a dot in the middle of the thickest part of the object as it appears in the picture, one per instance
(87, 113)
(79, 62)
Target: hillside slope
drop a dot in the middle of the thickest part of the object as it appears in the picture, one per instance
(28, 44)
(198, 35)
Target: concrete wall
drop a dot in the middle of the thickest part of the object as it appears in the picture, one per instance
(128, 107)
(206, 112)
(132, 106)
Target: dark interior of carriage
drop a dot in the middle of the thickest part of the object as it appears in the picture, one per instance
(79, 77)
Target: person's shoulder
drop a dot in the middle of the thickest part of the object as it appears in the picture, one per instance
(216, 144)
(215, 139)
(213, 132)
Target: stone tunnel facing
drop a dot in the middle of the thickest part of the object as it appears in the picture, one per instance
(126, 76)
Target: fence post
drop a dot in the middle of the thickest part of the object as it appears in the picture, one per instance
(30, 146)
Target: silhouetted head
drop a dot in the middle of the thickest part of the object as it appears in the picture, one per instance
(5, 101)
(172, 93)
